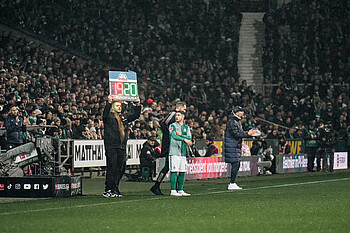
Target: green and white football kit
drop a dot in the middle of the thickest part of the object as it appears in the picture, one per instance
(177, 157)
(178, 148)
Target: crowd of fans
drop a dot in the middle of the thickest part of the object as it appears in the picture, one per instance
(181, 50)
(306, 56)
(187, 48)
(46, 88)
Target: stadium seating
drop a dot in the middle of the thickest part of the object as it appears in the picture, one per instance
(180, 50)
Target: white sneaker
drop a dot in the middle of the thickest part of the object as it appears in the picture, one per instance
(268, 173)
(182, 193)
(175, 193)
(233, 186)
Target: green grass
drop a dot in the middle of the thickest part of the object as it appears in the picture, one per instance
(303, 202)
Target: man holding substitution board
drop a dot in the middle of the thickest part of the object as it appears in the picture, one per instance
(123, 87)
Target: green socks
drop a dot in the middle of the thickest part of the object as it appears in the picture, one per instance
(180, 179)
(173, 179)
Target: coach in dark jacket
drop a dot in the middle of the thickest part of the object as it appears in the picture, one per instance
(14, 128)
(234, 134)
(115, 138)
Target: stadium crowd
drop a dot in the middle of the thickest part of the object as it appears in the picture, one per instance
(191, 57)
(306, 56)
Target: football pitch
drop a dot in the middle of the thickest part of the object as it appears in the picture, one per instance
(303, 202)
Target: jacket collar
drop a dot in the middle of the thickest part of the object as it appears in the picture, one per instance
(235, 117)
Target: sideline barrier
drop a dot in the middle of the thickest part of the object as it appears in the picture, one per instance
(40, 186)
(213, 167)
(341, 160)
(91, 153)
(291, 163)
(298, 163)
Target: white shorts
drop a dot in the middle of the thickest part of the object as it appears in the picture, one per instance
(177, 163)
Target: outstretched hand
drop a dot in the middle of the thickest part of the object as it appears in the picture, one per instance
(254, 132)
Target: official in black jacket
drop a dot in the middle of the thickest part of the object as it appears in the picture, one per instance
(115, 138)
(164, 125)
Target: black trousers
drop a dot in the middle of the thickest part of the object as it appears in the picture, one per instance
(116, 163)
(234, 171)
(311, 155)
(164, 171)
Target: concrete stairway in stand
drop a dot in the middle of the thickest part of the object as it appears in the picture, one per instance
(250, 50)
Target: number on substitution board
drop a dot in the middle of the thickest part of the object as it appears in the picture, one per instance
(124, 88)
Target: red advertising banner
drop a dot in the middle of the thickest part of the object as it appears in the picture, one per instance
(213, 167)
(206, 167)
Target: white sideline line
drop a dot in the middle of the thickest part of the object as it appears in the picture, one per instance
(276, 186)
(159, 198)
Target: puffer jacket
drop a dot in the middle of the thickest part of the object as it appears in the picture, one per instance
(14, 130)
(234, 134)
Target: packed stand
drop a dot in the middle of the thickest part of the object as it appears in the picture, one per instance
(196, 64)
(306, 58)
(171, 61)
(187, 49)
(51, 88)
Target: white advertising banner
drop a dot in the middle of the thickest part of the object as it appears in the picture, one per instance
(340, 160)
(91, 153)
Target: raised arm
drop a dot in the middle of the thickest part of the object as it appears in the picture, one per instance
(135, 111)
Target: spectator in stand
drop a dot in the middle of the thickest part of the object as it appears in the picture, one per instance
(212, 150)
(291, 133)
(77, 129)
(136, 134)
(33, 116)
(273, 134)
(284, 147)
(15, 127)
(93, 134)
